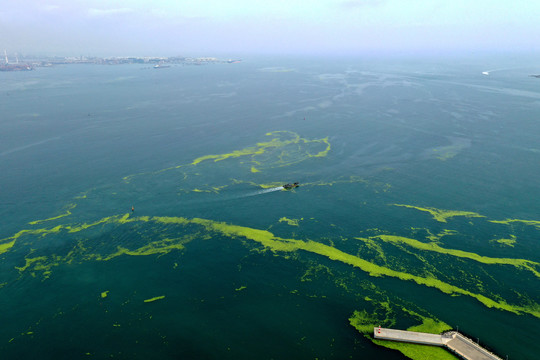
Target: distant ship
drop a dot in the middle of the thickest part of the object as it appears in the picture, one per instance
(231, 61)
(161, 66)
(14, 67)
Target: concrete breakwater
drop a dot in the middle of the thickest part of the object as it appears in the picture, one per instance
(452, 340)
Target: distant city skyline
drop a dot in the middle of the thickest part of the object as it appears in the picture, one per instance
(239, 27)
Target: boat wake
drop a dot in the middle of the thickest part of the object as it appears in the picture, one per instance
(257, 192)
(265, 191)
(235, 195)
(24, 147)
(488, 72)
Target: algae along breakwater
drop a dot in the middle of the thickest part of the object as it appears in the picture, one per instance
(144, 215)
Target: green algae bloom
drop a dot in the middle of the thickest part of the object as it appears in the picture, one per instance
(278, 244)
(67, 213)
(387, 254)
(442, 215)
(291, 222)
(154, 299)
(505, 242)
(520, 263)
(6, 246)
(534, 223)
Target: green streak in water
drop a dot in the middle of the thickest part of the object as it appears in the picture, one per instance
(265, 238)
(519, 263)
(442, 215)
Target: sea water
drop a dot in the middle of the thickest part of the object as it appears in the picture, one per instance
(418, 205)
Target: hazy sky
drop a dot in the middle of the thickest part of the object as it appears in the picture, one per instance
(237, 27)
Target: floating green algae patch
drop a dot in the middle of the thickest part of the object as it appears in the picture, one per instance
(364, 322)
(38, 263)
(373, 245)
(449, 151)
(268, 240)
(292, 222)
(300, 149)
(6, 246)
(520, 263)
(506, 242)
(67, 213)
(40, 232)
(79, 252)
(431, 326)
(285, 148)
(534, 223)
(264, 238)
(158, 247)
(441, 215)
(154, 299)
(117, 237)
(234, 154)
(434, 238)
(280, 141)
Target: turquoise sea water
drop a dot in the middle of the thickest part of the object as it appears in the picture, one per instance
(418, 200)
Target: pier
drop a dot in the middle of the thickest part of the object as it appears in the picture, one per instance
(452, 340)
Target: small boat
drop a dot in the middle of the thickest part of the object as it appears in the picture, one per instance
(291, 186)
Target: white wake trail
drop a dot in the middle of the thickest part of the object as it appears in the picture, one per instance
(264, 191)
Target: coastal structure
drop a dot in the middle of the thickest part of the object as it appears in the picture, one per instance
(452, 340)
(32, 62)
(14, 67)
